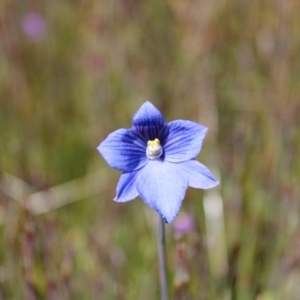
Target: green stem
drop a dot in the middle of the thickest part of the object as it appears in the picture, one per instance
(162, 259)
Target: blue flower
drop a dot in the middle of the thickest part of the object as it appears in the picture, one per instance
(157, 160)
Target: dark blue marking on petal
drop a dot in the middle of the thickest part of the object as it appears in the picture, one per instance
(125, 150)
(184, 140)
(148, 121)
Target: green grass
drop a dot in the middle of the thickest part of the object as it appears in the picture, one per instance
(233, 66)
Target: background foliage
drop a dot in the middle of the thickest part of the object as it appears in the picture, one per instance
(73, 71)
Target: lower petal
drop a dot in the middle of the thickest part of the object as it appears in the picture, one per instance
(126, 188)
(162, 186)
(199, 176)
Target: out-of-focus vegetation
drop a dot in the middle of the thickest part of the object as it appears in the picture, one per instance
(73, 71)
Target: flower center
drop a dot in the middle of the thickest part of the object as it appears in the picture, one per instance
(154, 149)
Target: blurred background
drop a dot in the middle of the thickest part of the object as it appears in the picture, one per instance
(73, 71)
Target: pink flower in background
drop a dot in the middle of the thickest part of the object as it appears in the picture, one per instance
(34, 25)
(183, 224)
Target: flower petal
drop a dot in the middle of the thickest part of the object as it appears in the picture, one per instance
(198, 175)
(126, 188)
(148, 120)
(162, 186)
(184, 140)
(125, 150)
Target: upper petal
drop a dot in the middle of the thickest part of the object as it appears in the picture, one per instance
(148, 120)
(125, 150)
(162, 186)
(184, 140)
(126, 188)
(199, 176)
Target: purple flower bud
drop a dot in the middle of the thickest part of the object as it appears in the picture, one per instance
(34, 26)
(183, 224)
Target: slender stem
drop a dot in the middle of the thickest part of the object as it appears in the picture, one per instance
(162, 259)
